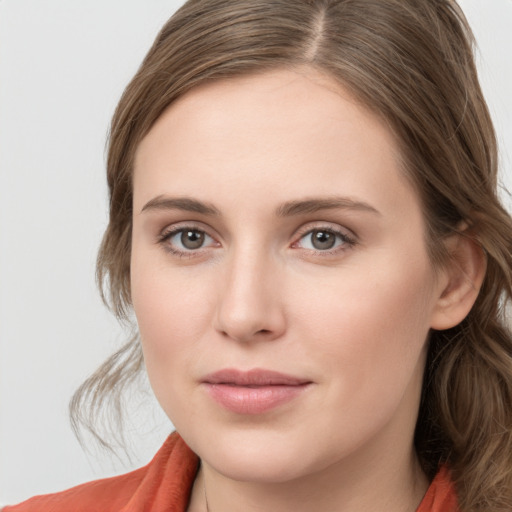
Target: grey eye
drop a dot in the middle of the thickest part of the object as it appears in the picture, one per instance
(187, 241)
(322, 240)
(191, 239)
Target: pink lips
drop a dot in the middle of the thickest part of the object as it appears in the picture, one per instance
(253, 392)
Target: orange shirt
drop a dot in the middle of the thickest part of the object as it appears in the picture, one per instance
(164, 485)
(440, 496)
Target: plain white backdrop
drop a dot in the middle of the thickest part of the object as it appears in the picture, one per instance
(63, 66)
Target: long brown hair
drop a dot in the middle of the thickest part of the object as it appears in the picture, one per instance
(410, 62)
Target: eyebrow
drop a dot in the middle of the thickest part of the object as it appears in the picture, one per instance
(288, 209)
(314, 205)
(180, 203)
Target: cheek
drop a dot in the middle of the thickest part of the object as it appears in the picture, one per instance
(370, 323)
(172, 312)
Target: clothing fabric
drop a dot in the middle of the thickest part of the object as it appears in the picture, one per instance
(165, 484)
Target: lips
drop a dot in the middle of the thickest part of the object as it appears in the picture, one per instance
(253, 392)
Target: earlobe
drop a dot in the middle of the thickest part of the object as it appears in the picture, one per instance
(463, 277)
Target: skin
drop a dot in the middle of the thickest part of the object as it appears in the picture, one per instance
(353, 320)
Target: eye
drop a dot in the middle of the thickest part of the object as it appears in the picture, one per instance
(323, 240)
(190, 238)
(186, 240)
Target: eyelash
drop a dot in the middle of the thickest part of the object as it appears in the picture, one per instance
(347, 241)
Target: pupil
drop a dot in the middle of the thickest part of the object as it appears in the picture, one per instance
(192, 239)
(323, 240)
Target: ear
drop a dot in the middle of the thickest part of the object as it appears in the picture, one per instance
(460, 281)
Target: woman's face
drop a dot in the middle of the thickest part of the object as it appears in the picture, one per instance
(280, 277)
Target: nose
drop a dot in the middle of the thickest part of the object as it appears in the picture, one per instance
(250, 305)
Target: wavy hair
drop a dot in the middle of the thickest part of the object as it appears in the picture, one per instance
(410, 62)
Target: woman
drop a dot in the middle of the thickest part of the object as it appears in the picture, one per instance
(304, 218)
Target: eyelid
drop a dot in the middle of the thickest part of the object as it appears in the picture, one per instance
(327, 226)
(181, 226)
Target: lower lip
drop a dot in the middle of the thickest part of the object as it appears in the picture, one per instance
(253, 400)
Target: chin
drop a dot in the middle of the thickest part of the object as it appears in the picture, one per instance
(264, 456)
(257, 467)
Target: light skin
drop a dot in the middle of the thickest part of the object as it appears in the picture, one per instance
(306, 256)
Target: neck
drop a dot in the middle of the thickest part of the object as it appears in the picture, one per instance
(348, 488)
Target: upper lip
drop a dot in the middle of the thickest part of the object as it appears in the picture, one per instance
(254, 377)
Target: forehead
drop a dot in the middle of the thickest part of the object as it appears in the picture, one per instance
(244, 103)
(289, 131)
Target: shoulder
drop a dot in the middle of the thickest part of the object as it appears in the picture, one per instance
(441, 495)
(170, 473)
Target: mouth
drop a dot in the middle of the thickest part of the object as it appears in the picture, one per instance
(253, 392)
